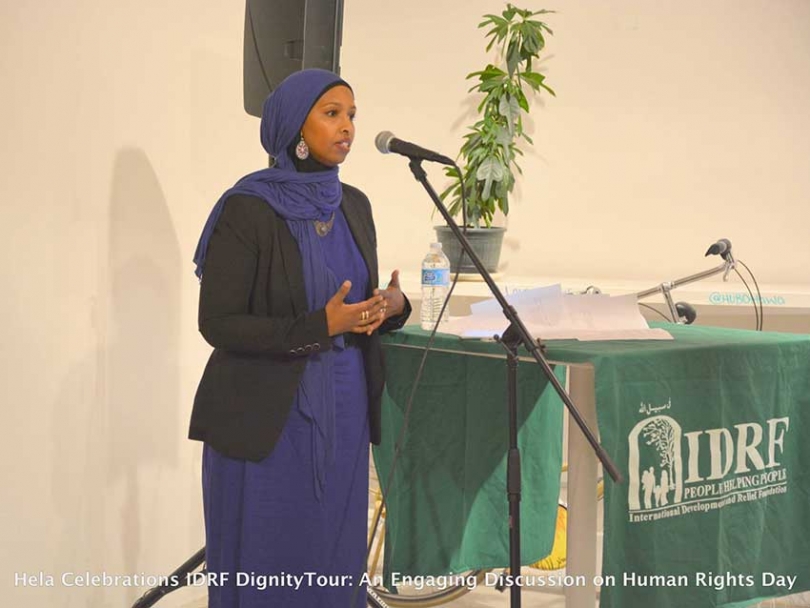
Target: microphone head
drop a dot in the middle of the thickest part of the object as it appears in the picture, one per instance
(686, 312)
(721, 247)
(383, 140)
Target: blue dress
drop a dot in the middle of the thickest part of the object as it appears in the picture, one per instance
(278, 544)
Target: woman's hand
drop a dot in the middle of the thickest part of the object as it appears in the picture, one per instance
(361, 318)
(394, 299)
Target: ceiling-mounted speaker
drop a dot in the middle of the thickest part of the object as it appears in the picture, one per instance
(284, 36)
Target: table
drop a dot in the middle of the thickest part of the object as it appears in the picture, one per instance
(447, 499)
(709, 430)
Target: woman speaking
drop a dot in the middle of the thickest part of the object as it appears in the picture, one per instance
(290, 397)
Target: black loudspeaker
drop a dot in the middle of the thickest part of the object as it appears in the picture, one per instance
(284, 36)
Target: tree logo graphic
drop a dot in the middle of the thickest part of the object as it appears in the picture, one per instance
(655, 464)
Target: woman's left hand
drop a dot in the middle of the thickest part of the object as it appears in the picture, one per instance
(393, 302)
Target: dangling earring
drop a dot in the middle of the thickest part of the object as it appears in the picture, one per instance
(302, 149)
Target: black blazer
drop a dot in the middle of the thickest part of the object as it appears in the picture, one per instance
(253, 311)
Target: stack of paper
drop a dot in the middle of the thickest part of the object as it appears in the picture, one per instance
(550, 314)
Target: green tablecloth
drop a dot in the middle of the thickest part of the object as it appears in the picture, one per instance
(447, 505)
(708, 429)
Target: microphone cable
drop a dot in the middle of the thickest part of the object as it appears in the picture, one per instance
(759, 295)
(655, 310)
(758, 326)
(409, 405)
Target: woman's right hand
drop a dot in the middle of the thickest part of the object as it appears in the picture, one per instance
(359, 318)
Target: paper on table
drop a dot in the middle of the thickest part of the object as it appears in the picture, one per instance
(542, 306)
(602, 312)
(551, 315)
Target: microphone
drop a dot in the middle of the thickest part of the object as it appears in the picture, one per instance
(721, 247)
(686, 312)
(386, 143)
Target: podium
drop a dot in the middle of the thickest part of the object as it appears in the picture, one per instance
(709, 429)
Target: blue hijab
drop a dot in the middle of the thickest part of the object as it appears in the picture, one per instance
(299, 198)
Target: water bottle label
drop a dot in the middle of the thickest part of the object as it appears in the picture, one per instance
(437, 277)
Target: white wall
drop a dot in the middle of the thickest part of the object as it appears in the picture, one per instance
(675, 123)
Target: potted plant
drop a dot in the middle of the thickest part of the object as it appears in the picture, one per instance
(489, 153)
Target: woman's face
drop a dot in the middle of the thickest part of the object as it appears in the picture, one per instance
(329, 127)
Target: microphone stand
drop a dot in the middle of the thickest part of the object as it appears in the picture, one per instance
(515, 335)
(729, 264)
(177, 579)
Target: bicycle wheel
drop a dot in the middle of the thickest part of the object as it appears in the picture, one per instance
(419, 594)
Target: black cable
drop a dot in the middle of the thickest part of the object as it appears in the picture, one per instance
(409, 405)
(759, 295)
(463, 207)
(750, 293)
(655, 310)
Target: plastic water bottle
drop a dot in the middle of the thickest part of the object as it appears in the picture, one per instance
(435, 283)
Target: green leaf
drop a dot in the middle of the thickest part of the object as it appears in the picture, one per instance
(512, 57)
(503, 137)
(503, 199)
(451, 172)
(497, 33)
(521, 11)
(538, 27)
(491, 170)
(534, 79)
(522, 101)
(492, 85)
(510, 108)
(491, 42)
(490, 18)
(478, 154)
(490, 74)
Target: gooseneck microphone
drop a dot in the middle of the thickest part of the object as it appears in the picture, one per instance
(686, 312)
(387, 142)
(721, 247)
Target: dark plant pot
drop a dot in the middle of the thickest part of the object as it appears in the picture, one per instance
(486, 242)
